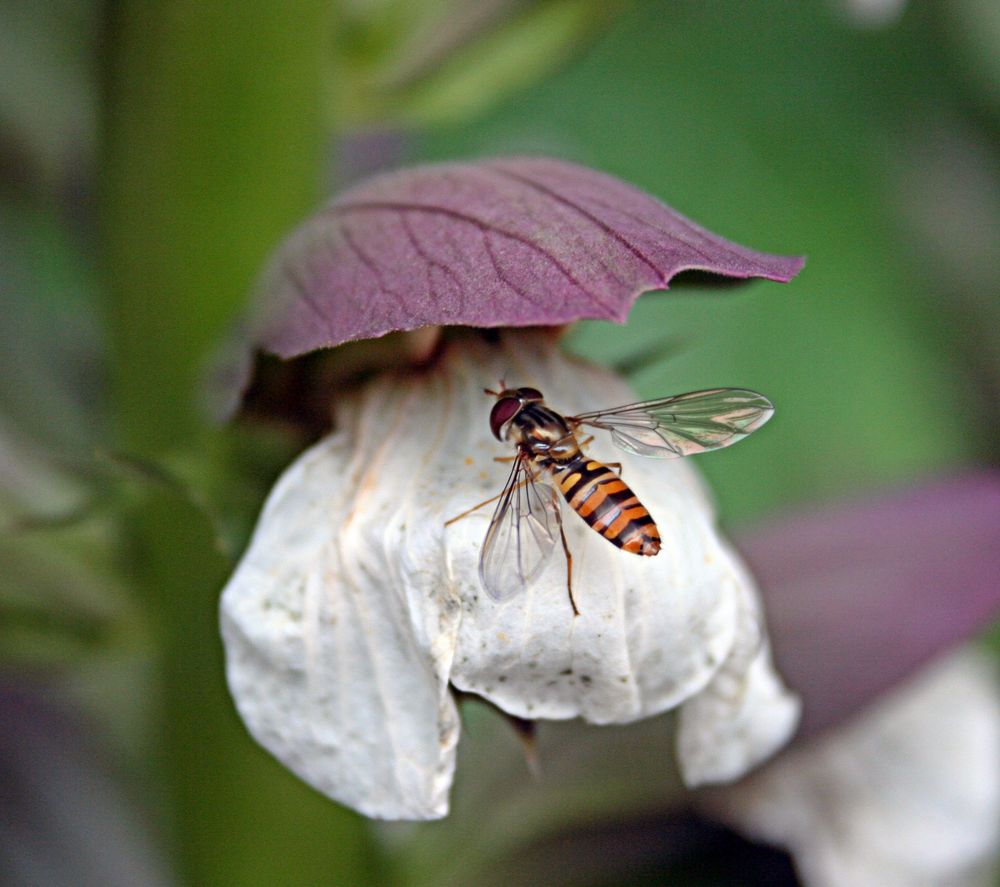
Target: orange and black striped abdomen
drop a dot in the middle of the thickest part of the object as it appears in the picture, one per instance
(599, 495)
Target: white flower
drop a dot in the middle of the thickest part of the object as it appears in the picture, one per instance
(354, 610)
(907, 794)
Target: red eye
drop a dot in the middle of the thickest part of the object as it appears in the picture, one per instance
(529, 393)
(503, 411)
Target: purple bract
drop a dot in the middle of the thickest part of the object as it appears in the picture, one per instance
(860, 596)
(505, 242)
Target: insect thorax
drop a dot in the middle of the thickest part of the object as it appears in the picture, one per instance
(544, 434)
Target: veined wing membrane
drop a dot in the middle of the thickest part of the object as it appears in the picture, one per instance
(521, 535)
(685, 424)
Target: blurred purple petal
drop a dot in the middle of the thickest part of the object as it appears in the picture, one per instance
(503, 242)
(64, 821)
(861, 595)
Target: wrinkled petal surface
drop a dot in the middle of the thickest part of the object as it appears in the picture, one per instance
(510, 242)
(337, 668)
(354, 606)
(906, 794)
(918, 567)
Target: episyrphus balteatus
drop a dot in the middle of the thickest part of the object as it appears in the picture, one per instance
(550, 461)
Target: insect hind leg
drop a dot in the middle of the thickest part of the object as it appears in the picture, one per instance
(569, 568)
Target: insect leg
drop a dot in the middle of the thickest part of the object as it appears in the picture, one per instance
(590, 439)
(569, 565)
(469, 511)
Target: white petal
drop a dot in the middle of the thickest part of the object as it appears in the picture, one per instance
(651, 631)
(907, 794)
(337, 666)
(354, 606)
(744, 715)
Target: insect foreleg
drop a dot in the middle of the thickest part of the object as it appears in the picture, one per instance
(469, 511)
(522, 483)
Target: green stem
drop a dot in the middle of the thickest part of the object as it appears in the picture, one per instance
(214, 142)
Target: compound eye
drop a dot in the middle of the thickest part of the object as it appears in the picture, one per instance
(529, 394)
(503, 411)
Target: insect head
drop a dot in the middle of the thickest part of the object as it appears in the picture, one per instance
(509, 403)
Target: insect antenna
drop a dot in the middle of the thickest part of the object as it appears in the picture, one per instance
(503, 387)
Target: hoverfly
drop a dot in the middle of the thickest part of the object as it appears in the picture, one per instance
(527, 519)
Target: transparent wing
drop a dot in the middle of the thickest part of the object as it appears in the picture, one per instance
(685, 424)
(521, 535)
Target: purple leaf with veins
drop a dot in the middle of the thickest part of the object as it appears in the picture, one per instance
(503, 242)
(859, 596)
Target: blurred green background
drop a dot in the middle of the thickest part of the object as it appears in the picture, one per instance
(154, 152)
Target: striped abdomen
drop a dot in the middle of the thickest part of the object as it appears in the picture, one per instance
(599, 495)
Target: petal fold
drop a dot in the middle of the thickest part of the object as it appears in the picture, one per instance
(328, 659)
